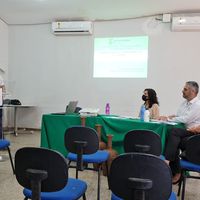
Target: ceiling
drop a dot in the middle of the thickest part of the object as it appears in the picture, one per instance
(45, 11)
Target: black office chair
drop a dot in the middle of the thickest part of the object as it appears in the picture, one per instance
(190, 162)
(44, 174)
(143, 141)
(83, 144)
(139, 176)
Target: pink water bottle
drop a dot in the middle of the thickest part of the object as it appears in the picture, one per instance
(107, 110)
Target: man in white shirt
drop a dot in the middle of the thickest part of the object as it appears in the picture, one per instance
(2, 88)
(189, 114)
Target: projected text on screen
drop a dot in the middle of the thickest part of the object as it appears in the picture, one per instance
(121, 57)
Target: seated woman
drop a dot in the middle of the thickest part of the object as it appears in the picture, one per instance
(151, 102)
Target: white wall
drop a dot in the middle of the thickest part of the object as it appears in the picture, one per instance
(3, 49)
(49, 70)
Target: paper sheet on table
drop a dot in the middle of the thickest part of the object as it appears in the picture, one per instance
(163, 122)
(121, 117)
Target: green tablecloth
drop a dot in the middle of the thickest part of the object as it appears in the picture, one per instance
(54, 126)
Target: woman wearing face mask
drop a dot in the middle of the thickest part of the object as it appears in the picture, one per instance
(151, 102)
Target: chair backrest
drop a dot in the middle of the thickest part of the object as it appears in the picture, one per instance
(192, 150)
(41, 159)
(81, 134)
(144, 141)
(132, 172)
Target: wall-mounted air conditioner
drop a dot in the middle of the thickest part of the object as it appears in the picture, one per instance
(186, 23)
(72, 27)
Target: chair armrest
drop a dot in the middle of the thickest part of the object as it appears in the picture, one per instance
(140, 183)
(80, 146)
(138, 187)
(36, 175)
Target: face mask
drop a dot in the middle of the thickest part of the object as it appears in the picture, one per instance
(144, 98)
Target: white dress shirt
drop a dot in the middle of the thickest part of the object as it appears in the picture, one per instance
(189, 113)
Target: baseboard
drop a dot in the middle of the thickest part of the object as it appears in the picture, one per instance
(21, 128)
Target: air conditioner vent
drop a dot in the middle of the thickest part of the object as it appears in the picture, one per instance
(72, 27)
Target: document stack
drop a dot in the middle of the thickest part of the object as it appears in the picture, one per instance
(89, 112)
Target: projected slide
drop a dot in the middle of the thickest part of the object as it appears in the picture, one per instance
(121, 57)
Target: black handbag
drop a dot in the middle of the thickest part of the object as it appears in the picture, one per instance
(12, 102)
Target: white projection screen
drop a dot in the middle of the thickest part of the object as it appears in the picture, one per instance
(121, 57)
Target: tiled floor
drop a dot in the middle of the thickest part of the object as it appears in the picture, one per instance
(11, 190)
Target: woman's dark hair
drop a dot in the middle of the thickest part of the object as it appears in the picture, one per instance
(152, 96)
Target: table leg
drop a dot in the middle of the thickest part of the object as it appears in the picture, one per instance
(15, 121)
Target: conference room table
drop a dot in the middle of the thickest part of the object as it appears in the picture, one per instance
(15, 109)
(54, 127)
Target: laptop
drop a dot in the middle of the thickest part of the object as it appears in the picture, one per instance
(70, 108)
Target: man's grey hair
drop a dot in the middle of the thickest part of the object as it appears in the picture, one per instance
(194, 85)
